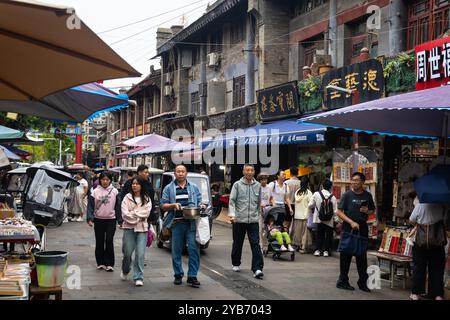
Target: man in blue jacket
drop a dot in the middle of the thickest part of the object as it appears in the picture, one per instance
(176, 195)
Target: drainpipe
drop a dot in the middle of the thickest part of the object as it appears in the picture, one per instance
(203, 106)
(397, 15)
(250, 54)
(332, 32)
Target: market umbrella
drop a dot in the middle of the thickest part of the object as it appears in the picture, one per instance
(155, 144)
(47, 48)
(434, 187)
(8, 133)
(10, 155)
(418, 114)
(72, 105)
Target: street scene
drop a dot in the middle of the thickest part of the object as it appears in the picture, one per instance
(225, 150)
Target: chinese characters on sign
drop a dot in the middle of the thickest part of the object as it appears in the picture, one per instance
(433, 64)
(366, 77)
(278, 102)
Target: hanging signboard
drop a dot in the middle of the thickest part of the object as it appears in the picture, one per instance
(366, 77)
(278, 102)
(433, 64)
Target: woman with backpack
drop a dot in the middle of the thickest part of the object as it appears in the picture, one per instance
(103, 212)
(323, 204)
(300, 231)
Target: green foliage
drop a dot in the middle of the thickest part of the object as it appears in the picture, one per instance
(310, 94)
(399, 73)
(50, 150)
(26, 122)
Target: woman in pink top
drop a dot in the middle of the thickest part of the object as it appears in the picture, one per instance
(136, 207)
(103, 212)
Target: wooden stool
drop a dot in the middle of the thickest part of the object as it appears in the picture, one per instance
(40, 293)
(394, 263)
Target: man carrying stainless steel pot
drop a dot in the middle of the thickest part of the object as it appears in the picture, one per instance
(177, 195)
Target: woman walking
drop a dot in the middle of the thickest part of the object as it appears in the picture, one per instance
(103, 212)
(301, 237)
(79, 207)
(136, 207)
(280, 197)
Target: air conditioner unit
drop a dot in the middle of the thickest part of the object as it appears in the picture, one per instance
(168, 78)
(167, 91)
(213, 59)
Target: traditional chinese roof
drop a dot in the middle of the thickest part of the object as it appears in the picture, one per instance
(151, 79)
(200, 23)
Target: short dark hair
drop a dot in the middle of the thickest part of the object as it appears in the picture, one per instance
(141, 168)
(327, 184)
(130, 173)
(359, 174)
(105, 174)
(294, 171)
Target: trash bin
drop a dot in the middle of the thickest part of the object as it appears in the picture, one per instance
(51, 268)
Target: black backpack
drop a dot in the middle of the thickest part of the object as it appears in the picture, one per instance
(326, 211)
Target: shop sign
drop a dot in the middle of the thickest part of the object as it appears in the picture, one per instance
(433, 64)
(366, 78)
(278, 102)
(236, 119)
(426, 149)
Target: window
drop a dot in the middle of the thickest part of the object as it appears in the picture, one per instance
(140, 114)
(124, 123)
(356, 48)
(195, 103)
(215, 43)
(427, 20)
(237, 32)
(238, 91)
(148, 107)
(307, 6)
(195, 56)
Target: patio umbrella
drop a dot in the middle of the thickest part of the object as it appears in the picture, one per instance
(10, 155)
(434, 187)
(72, 105)
(47, 48)
(418, 114)
(8, 133)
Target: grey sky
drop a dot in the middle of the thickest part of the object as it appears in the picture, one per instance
(102, 15)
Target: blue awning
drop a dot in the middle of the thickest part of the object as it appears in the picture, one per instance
(277, 132)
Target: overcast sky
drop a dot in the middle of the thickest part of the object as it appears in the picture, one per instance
(103, 15)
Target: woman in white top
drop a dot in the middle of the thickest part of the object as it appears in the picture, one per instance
(300, 232)
(79, 204)
(324, 228)
(280, 196)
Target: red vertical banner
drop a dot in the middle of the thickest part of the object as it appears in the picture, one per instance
(78, 149)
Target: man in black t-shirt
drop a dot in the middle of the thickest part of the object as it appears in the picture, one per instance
(354, 208)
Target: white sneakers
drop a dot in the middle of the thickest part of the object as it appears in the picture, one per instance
(290, 248)
(325, 254)
(258, 274)
(283, 248)
(139, 283)
(109, 269)
(123, 276)
(80, 219)
(236, 269)
(101, 267)
(317, 253)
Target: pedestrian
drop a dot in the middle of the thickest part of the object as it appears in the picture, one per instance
(280, 197)
(293, 184)
(354, 208)
(103, 212)
(324, 206)
(176, 195)
(265, 207)
(429, 216)
(79, 207)
(136, 207)
(244, 211)
(301, 233)
(142, 172)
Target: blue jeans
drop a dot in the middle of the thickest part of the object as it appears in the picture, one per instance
(134, 241)
(181, 233)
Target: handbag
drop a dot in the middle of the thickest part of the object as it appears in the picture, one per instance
(202, 235)
(150, 235)
(431, 235)
(352, 243)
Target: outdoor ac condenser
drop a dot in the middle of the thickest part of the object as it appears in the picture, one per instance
(213, 59)
(167, 91)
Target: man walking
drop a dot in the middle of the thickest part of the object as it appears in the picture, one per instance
(244, 210)
(354, 208)
(180, 193)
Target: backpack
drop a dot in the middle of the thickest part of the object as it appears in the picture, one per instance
(326, 211)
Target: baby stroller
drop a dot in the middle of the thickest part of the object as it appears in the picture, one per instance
(278, 215)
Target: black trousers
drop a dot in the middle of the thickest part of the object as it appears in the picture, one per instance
(252, 230)
(361, 261)
(104, 237)
(432, 259)
(324, 237)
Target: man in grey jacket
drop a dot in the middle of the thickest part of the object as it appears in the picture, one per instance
(244, 209)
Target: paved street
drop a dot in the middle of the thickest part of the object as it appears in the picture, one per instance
(307, 277)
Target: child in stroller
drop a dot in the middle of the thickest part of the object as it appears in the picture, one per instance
(277, 236)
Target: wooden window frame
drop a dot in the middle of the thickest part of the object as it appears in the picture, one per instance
(239, 91)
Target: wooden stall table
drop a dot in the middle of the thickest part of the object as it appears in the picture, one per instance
(40, 293)
(395, 261)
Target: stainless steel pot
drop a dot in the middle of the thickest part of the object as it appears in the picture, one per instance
(191, 213)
